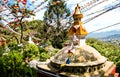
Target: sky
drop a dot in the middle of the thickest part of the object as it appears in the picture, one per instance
(102, 21)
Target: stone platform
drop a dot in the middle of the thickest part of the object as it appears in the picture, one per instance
(49, 71)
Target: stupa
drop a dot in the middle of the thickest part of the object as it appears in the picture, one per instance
(76, 59)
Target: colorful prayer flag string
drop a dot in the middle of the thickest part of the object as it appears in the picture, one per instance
(47, 6)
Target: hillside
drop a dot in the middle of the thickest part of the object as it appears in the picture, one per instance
(115, 37)
(108, 50)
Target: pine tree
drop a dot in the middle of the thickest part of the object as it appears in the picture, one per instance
(57, 17)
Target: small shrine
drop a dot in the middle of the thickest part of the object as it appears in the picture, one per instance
(77, 59)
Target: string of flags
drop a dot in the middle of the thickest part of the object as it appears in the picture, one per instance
(47, 6)
(91, 4)
(104, 11)
(23, 1)
(35, 10)
(28, 6)
(5, 1)
(14, 22)
(9, 28)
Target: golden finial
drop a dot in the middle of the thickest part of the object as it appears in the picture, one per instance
(77, 12)
(77, 28)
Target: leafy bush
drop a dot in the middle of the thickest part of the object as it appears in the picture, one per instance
(44, 54)
(11, 65)
(13, 46)
(42, 50)
(31, 51)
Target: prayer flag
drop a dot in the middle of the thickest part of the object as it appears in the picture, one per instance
(23, 1)
(5, 1)
(68, 61)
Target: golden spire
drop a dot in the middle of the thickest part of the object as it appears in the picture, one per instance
(77, 12)
(77, 25)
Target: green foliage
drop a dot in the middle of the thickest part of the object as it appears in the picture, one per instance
(26, 71)
(19, 14)
(55, 28)
(31, 51)
(57, 42)
(44, 54)
(54, 52)
(108, 50)
(11, 65)
(36, 28)
(48, 42)
(42, 50)
(2, 50)
(13, 46)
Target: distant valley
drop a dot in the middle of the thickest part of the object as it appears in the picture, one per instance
(108, 36)
(113, 34)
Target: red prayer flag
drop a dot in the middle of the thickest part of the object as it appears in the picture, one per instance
(23, 1)
(5, 1)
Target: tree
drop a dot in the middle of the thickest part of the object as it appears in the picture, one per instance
(16, 13)
(24, 13)
(57, 18)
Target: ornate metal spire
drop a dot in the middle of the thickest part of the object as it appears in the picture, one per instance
(77, 28)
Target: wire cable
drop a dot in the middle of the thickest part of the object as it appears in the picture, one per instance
(88, 20)
(104, 28)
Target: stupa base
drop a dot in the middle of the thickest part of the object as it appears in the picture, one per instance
(48, 71)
